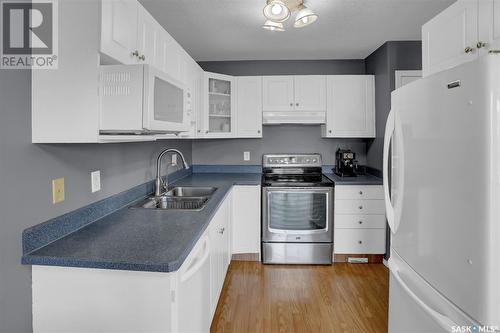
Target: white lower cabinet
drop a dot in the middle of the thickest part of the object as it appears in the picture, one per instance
(359, 220)
(220, 253)
(246, 220)
(67, 299)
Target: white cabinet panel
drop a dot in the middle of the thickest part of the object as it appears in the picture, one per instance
(68, 299)
(148, 36)
(446, 37)
(219, 231)
(310, 92)
(359, 192)
(359, 241)
(350, 106)
(278, 93)
(359, 221)
(489, 24)
(119, 29)
(246, 219)
(359, 207)
(192, 299)
(249, 107)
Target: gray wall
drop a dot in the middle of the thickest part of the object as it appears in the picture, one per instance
(383, 62)
(26, 171)
(278, 138)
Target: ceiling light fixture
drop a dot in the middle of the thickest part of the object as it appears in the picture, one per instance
(278, 11)
(304, 17)
(273, 26)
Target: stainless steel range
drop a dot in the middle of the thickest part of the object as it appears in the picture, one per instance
(297, 210)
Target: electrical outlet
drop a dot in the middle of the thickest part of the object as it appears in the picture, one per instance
(246, 156)
(95, 179)
(174, 159)
(57, 190)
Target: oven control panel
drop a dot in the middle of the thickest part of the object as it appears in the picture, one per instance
(292, 160)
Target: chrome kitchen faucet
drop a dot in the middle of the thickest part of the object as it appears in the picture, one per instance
(159, 184)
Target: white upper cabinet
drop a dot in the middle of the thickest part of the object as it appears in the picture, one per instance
(148, 35)
(278, 94)
(350, 107)
(217, 118)
(461, 33)
(450, 38)
(296, 99)
(249, 107)
(294, 93)
(489, 24)
(310, 93)
(119, 29)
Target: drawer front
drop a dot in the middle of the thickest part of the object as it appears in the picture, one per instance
(359, 221)
(354, 241)
(375, 192)
(359, 207)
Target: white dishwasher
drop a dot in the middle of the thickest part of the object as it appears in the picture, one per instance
(192, 302)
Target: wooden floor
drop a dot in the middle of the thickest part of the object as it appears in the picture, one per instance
(282, 298)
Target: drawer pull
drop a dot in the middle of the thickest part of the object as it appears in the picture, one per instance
(360, 242)
(360, 192)
(360, 222)
(360, 207)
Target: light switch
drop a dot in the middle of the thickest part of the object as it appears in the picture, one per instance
(95, 179)
(57, 190)
(246, 156)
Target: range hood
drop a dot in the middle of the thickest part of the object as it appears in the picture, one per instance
(293, 117)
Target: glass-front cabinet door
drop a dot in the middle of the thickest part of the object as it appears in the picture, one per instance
(219, 107)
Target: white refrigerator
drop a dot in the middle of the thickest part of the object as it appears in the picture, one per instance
(442, 153)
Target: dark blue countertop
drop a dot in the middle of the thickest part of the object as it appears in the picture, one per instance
(359, 180)
(140, 239)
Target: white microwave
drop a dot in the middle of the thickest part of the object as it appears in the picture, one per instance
(140, 99)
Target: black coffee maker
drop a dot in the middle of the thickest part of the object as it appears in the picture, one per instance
(345, 163)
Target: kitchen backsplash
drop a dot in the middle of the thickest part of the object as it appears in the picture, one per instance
(276, 139)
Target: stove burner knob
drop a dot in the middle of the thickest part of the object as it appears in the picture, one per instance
(315, 160)
(282, 161)
(308, 160)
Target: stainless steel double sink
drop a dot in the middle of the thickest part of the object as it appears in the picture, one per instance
(179, 198)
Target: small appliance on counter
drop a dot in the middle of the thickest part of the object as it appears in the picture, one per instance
(346, 164)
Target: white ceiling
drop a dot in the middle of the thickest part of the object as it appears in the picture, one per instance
(213, 30)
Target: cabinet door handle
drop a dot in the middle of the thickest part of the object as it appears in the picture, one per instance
(360, 222)
(360, 207)
(258, 132)
(330, 131)
(206, 132)
(221, 230)
(291, 104)
(135, 53)
(469, 49)
(360, 242)
(199, 131)
(360, 192)
(142, 57)
(296, 104)
(480, 45)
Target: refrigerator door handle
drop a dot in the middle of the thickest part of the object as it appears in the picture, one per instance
(389, 208)
(442, 320)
